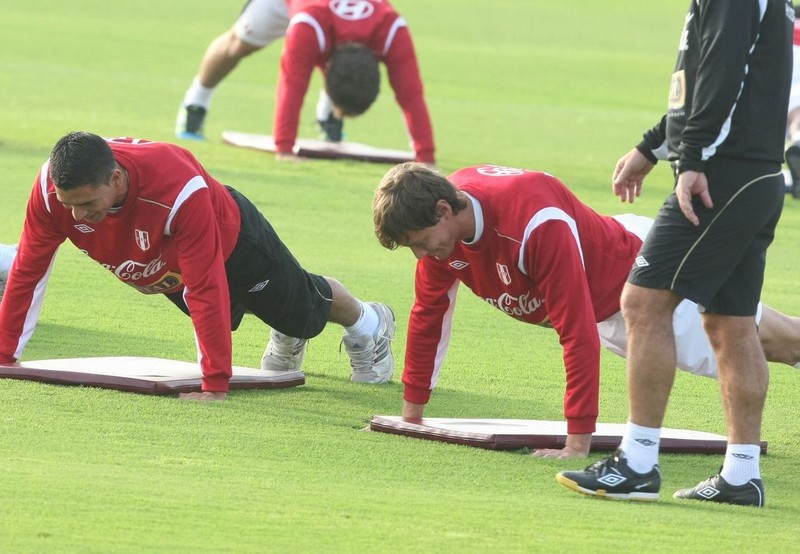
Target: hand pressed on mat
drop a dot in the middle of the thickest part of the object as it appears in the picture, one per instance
(577, 446)
(288, 157)
(203, 396)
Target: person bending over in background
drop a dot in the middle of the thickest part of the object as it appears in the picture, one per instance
(151, 214)
(524, 243)
(345, 39)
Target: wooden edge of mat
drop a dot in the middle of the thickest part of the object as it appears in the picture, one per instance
(143, 385)
(498, 441)
(319, 149)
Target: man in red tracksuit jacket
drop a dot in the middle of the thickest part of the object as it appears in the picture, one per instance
(345, 39)
(150, 214)
(526, 245)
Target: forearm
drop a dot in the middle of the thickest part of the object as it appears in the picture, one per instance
(412, 411)
(579, 443)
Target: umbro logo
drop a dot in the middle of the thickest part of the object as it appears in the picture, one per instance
(458, 264)
(708, 492)
(83, 228)
(612, 479)
(646, 442)
(742, 456)
(259, 286)
(641, 262)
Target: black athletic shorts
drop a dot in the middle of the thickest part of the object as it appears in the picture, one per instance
(720, 263)
(265, 279)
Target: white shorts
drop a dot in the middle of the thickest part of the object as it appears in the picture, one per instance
(262, 22)
(7, 254)
(693, 351)
(794, 95)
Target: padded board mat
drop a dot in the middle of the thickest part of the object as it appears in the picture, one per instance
(510, 434)
(321, 149)
(142, 375)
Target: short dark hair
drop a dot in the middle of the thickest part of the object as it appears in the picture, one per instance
(352, 78)
(80, 158)
(406, 200)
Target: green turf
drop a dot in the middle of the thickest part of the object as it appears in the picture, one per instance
(565, 87)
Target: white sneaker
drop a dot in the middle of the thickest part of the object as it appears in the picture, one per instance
(283, 353)
(371, 357)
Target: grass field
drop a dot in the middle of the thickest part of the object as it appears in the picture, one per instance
(565, 87)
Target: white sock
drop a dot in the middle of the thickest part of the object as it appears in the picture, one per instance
(367, 323)
(741, 463)
(7, 253)
(198, 95)
(795, 136)
(640, 445)
(324, 106)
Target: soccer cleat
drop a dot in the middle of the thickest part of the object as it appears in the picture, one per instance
(283, 353)
(332, 129)
(717, 489)
(612, 478)
(189, 124)
(371, 356)
(792, 155)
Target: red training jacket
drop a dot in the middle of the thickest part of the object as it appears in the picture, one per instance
(174, 232)
(316, 27)
(540, 256)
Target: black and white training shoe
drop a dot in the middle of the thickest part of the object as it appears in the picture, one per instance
(189, 124)
(612, 478)
(332, 129)
(717, 489)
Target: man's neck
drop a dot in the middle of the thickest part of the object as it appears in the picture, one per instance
(465, 220)
(119, 201)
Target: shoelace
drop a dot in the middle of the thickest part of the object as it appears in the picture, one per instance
(364, 359)
(600, 466)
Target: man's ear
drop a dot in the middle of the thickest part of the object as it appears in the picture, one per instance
(442, 208)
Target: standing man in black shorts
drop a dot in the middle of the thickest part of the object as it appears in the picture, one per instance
(151, 214)
(724, 135)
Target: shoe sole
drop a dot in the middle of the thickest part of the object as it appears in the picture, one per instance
(186, 135)
(712, 501)
(602, 493)
(370, 381)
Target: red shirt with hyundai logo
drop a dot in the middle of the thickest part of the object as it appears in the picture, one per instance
(540, 256)
(174, 232)
(316, 27)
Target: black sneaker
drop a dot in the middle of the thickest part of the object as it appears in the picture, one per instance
(332, 129)
(189, 124)
(717, 489)
(792, 154)
(612, 478)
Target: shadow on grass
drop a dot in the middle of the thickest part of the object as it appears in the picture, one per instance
(353, 405)
(55, 340)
